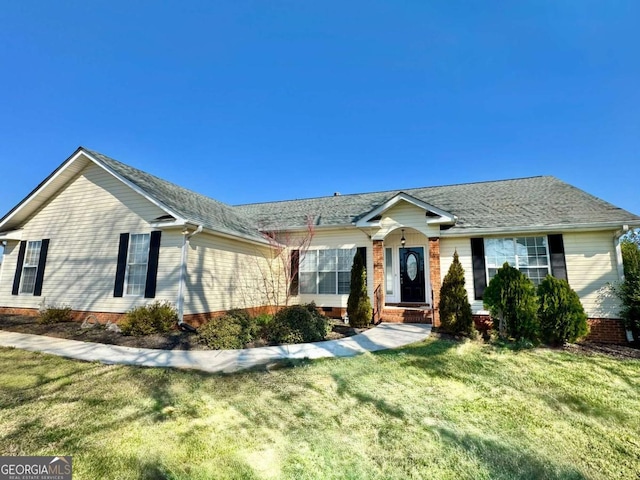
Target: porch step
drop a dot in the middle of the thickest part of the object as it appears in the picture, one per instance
(406, 315)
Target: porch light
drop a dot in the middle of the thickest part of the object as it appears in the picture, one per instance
(402, 239)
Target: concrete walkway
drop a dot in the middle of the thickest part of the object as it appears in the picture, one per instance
(382, 337)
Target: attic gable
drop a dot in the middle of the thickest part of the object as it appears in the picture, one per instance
(433, 215)
(55, 182)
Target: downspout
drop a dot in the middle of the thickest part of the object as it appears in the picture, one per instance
(4, 248)
(618, 250)
(620, 264)
(186, 236)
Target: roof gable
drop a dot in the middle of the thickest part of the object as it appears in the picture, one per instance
(180, 204)
(433, 214)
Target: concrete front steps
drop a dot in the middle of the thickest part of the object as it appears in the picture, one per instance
(407, 314)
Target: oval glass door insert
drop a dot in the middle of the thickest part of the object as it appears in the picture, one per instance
(412, 266)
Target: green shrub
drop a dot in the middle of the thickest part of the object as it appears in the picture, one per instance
(358, 305)
(54, 314)
(511, 300)
(221, 333)
(455, 310)
(157, 317)
(628, 290)
(298, 324)
(562, 317)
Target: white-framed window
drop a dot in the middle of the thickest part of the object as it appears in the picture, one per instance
(137, 263)
(30, 267)
(326, 272)
(530, 255)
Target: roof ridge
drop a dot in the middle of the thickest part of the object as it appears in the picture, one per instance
(398, 190)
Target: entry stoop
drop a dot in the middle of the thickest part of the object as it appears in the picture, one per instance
(400, 314)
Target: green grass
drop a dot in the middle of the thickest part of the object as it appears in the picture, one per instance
(435, 410)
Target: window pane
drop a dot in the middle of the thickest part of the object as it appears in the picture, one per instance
(308, 282)
(388, 270)
(527, 254)
(309, 262)
(139, 248)
(535, 274)
(137, 263)
(345, 259)
(32, 255)
(327, 283)
(30, 267)
(136, 279)
(28, 279)
(344, 282)
(498, 251)
(327, 260)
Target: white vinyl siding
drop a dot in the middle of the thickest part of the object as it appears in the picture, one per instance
(591, 268)
(223, 274)
(84, 221)
(30, 267)
(137, 260)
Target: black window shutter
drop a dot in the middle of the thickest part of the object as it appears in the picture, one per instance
(152, 266)
(18, 275)
(479, 267)
(295, 273)
(121, 269)
(42, 261)
(363, 253)
(556, 252)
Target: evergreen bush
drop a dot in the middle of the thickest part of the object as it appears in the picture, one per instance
(562, 317)
(54, 314)
(298, 324)
(157, 317)
(358, 305)
(222, 333)
(628, 291)
(511, 300)
(455, 309)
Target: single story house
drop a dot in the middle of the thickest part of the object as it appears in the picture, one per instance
(104, 237)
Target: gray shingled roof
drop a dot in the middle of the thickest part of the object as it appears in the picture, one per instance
(192, 206)
(525, 202)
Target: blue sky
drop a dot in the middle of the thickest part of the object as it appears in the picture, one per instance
(250, 101)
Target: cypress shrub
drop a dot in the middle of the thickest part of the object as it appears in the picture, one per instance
(358, 305)
(562, 317)
(511, 300)
(455, 310)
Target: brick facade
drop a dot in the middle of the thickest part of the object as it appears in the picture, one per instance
(434, 277)
(604, 330)
(76, 315)
(378, 275)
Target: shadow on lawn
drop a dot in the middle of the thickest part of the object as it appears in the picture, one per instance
(506, 461)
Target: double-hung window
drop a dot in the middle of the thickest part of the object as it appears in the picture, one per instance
(137, 263)
(326, 271)
(30, 267)
(530, 255)
(137, 266)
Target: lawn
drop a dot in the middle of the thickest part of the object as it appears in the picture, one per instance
(440, 409)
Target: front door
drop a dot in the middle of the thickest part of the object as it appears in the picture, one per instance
(412, 275)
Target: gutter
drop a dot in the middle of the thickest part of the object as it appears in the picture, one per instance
(186, 236)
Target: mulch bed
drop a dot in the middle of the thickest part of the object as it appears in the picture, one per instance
(621, 352)
(174, 340)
